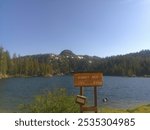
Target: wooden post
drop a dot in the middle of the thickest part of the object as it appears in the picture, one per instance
(88, 79)
(81, 93)
(95, 99)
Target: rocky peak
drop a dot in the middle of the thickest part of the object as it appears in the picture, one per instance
(67, 53)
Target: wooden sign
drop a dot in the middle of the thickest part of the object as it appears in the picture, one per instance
(88, 79)
(81, 99)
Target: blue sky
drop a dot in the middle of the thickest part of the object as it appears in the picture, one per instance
(93, 27)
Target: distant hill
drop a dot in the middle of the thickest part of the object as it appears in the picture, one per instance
(67, 53)
(133, 64)
(142, 53)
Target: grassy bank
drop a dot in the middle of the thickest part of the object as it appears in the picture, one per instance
(59, 102)
(139, 109)
(52, 102)
(36, 109)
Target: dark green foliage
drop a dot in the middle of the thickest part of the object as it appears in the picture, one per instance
(53, 102)
(128, 65)
(4, 62)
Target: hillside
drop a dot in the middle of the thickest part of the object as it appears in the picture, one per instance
(133, 64)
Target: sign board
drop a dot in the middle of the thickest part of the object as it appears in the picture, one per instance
(88, 79)
(81, 99)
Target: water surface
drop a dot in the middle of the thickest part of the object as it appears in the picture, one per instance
(122, 92)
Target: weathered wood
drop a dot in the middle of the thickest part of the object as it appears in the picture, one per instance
(81, 90)
(95, 96)
(81, 100)
(88, 79)
(81, 93)
(91, 108)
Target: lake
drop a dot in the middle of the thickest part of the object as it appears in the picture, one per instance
(122, 92)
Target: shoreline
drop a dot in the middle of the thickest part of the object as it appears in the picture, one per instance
(5, 76)
(139, 109)
(26, 76)
(20, 76)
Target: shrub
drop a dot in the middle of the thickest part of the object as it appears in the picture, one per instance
(53, 102)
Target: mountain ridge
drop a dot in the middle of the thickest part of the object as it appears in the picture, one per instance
(137, 64)
(67, 52)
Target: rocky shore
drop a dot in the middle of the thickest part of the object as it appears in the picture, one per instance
(3, 76)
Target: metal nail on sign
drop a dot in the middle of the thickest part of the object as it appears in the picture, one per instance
(88, 79)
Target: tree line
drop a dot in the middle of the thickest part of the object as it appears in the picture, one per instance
(134, 64)
(22, 66)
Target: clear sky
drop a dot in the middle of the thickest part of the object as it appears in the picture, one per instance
(92, 27)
